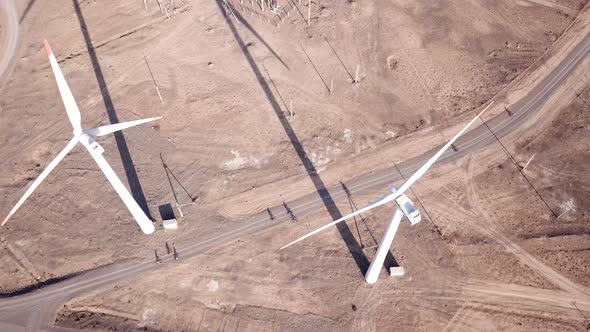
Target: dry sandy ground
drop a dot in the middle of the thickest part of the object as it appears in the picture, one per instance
(502, 264)
(422, 66)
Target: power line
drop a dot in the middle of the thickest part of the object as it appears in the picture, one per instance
(518, 167)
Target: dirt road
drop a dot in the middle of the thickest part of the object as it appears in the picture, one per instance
(9, 34)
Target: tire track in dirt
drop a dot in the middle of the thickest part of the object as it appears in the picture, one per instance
(362, 320)
(552, 5)
(507, 294)
(510, 296)
(481, 296)
(457, 319)
(21, 260)
(117, 36)
(57, 127)
(9, 36)
(87, 103)
(563, 175)
(490, 229)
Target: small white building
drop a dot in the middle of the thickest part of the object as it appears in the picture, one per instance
(397, 271)
(170, 224)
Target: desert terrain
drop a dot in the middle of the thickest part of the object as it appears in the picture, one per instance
(262, 108)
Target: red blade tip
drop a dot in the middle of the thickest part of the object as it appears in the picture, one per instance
(6, 219)
(47, 47)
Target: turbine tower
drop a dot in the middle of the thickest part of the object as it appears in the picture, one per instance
(85, 138)
(405, 207)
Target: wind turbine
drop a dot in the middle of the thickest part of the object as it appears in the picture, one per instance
(405, 207)
(85, 138)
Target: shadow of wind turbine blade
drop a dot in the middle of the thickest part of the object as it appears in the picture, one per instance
(125, 154)
(251, 29)
(345, 232)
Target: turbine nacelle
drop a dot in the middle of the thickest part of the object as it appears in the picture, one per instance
(407, 207)
(404, 203)
(90, 143)
(409, 210)
(85, 137)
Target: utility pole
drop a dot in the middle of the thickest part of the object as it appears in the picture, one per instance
(308, 12)
(153, 79)
(528, 162)
(511, 158)
(157, 258)
(175, 253)
(564, 212)
(289, 212)
(332, 85)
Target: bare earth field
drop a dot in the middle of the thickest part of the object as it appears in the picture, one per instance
(499, 249)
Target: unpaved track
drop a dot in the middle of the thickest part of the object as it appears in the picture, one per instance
(35, 310)
(489, 227)
(554, 5)
(9, 34)
(507, 294)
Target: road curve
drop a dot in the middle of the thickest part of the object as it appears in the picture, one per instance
(16, 308)
(9, 35)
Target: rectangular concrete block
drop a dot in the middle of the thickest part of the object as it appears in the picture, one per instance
(170, 224)
(397, 271)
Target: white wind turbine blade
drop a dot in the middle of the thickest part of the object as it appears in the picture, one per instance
(108, 129)
(65, 92)
(400, 191)
(42, 176)
(142, 220)
(432, 160)
(385, 199)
